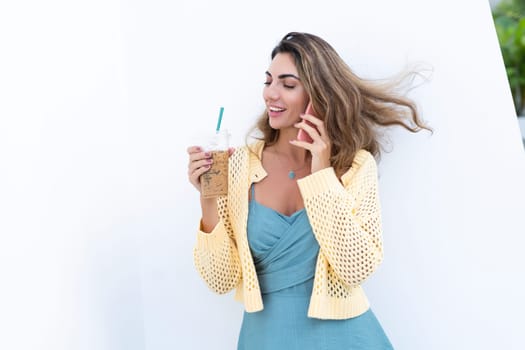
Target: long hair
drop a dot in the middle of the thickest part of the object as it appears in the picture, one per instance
(352, 108)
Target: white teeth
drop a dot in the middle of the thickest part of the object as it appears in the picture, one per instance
(275, 109)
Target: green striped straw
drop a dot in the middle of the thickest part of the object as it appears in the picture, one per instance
(220, 120)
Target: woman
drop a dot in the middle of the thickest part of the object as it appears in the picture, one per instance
(300, 228)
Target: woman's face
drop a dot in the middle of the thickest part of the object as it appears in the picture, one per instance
(284, 94)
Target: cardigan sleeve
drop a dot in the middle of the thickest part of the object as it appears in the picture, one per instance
(346, 219)
(215, 255)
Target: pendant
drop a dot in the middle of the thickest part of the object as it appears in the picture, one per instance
(291, 174)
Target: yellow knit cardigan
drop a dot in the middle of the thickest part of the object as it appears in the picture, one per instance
(346, 220)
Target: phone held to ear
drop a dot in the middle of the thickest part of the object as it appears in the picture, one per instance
(303, 135)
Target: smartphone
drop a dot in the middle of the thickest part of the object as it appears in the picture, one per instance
(303, 135)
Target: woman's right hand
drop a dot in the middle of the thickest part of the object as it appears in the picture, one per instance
(199, 163)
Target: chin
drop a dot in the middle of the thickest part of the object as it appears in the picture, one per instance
(274, 124)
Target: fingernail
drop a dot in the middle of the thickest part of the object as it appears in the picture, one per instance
(207, 154)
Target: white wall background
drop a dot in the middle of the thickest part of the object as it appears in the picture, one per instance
(99, 100)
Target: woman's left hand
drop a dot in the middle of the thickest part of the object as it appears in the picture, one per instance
(320, 147)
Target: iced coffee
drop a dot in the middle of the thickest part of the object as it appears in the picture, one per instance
(214, 182)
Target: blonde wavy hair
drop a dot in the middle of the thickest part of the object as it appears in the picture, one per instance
(352, 108)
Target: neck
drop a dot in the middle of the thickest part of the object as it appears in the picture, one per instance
(293, 161)
(295, 155)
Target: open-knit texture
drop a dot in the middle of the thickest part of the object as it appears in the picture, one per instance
(346, 220)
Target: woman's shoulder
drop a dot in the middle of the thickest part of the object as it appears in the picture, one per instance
(249, 150)
(364, 162)
(254, 147)
(364, 157)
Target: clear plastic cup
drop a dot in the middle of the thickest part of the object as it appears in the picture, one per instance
(214, 182)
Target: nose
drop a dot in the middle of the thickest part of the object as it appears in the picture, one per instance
(270, 93)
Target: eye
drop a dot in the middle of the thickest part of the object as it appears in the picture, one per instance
(289, 83)
(267, 82)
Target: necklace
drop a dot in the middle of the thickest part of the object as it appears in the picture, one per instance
(291, 172)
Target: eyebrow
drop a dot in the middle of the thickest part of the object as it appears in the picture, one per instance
(283, 76)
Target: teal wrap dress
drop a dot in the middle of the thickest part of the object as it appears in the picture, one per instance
(285, 251)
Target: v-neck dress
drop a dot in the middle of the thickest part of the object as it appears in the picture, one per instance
(285, 251)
